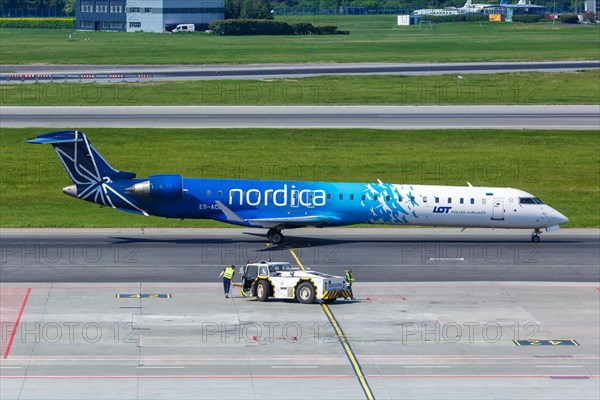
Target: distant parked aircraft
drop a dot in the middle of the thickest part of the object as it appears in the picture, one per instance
(437, 11)
(278, 205)
(470, 8)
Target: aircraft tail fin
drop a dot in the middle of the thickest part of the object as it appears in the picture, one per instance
(81, 160)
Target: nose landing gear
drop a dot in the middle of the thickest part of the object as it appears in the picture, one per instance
(535, 236)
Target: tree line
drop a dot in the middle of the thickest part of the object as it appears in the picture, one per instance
(337, 5)
(66, 5)
(261, 9)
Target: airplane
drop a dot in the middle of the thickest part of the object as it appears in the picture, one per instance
(470, 8)
(437, 11)
(279, 205)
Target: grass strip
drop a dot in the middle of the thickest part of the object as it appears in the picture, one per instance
(507, 88)
(560, 167)
(371, 39)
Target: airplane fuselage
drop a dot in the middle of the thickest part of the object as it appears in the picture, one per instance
(338, 204)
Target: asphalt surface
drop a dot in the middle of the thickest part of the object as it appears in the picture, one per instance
(406, 340)
(375, 254)
(91, 73)
(377, 117)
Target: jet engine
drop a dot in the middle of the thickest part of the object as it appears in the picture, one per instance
(167, 187)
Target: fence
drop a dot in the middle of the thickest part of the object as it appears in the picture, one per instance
(34, 13)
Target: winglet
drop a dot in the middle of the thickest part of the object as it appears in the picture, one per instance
(231, 215)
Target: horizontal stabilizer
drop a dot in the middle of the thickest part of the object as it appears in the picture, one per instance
(81, 160)
(55, 138)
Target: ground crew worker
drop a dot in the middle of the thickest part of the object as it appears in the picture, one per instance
(227, 275)
(349, 282)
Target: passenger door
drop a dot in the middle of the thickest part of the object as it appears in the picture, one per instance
(498, 210)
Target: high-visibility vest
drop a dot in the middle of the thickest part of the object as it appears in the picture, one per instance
(349, 278)
(228, 274)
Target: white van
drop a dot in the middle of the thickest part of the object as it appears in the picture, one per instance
(184, 28)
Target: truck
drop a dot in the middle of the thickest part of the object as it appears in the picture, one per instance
(279, 280)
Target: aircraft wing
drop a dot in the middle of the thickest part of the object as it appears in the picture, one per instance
(295, 222)
(288, 221)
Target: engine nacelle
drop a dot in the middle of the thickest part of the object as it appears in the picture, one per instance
(168, 187)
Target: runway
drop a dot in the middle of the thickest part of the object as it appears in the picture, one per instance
(375, 254)
(134, 73)
(375, 117)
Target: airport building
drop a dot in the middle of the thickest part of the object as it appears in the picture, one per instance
(145, 15)
(506, 9)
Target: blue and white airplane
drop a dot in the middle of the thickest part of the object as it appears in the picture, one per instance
(278, 205)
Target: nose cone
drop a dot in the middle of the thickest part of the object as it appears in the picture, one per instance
(562, 219)
(558, 218)
(70, 190)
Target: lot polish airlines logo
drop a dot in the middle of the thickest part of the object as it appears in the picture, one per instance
(278, 197)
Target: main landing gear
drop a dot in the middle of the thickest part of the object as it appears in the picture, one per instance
(275, 236)
(535, 235)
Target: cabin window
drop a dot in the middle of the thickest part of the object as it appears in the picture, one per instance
(412, 198)
(449, 200)
(328, 196)
(437, 200)
(462, 201)
(295, 195)
(363, 197)
(399, 198)
(351, 197)
(280, 196)
(341, 197)
(208, 192)
(376, 197)
(220, 192)
(387, 198)
(482, 201)
(472, 200)
(425, 199)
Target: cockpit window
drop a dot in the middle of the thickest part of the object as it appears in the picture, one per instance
(530, 200)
